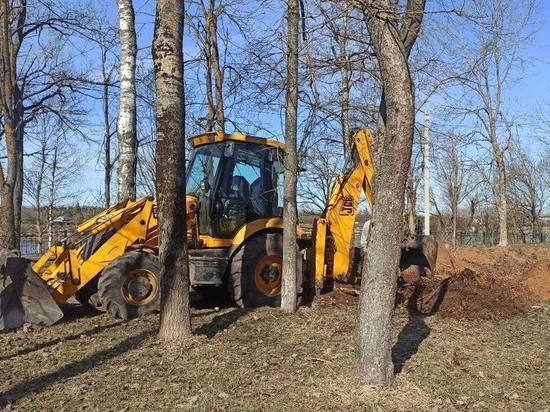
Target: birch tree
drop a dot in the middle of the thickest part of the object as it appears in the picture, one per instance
(126, 123)
(175, 317)
(289, 288)
(392, 35)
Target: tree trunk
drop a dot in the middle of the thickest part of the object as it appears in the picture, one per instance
(345, 81)
(502, 204)
(107, 126)
(175, 317)
(18, 189)
(8, 238)
(8, 93)
(454, 212)
(50, 223)
(208, 77)
(126, 124)
(290, 210)
(7, 222)
(38, 194)
(216, 66)
(373, 337)
(411, 204)
(51, 196)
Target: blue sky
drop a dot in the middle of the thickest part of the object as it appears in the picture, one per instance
(532, 93)
(533, 90)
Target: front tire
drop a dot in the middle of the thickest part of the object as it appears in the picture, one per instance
(130, 285)
(256, 272)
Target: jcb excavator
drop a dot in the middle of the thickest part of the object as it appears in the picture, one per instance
(234, 209)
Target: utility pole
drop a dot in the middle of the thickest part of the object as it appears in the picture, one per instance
(426, 145)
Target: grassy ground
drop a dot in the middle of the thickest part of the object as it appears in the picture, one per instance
(264, 360)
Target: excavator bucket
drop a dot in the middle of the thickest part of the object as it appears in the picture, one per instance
(419, 254)
(24, 297)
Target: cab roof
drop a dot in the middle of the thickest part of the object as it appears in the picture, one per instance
(215, 137)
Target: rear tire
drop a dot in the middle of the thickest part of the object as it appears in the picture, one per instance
(129, 286)
(256, 272)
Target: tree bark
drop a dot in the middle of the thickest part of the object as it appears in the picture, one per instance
(126, 124)
(216, 66)
(175, 318)
(502, 204)
(38, 194)
(210, 119)
(52, 194)
(411, 203)
(8, 237)
(18, 189)
(107, 128)
(373, 336)
(12, 127)
(38, 191)
(290, 210)
(344, 81)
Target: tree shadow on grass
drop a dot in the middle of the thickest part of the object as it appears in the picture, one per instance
(221, 322)
(73, 312)
(41, 383)
(38, 346)
(416, 329)
(210, 298)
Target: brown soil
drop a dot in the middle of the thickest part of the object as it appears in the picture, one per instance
(481, 282)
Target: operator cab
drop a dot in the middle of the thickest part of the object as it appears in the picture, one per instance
(235, 182)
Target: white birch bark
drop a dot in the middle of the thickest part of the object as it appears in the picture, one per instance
(126, 122)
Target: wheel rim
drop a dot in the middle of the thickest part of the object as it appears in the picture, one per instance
(140, 287)
(268, 275)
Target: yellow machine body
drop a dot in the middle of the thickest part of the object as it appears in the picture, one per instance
(131, 226)
(333, 231)
(68, 266)
(73, 266)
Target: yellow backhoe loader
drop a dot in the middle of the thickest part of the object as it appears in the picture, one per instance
(234, 212)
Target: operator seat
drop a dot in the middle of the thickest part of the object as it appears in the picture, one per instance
(238, 202)
(260, 204)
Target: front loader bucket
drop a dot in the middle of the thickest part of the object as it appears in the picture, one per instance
(24, 297)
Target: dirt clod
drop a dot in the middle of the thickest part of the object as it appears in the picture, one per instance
(481, 283)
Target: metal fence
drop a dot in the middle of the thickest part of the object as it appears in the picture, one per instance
(467, 238)
(33, 245)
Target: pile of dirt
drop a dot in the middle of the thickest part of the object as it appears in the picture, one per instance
(481, 282)
(470, 282)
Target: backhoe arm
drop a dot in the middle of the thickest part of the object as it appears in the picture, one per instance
(333, 232)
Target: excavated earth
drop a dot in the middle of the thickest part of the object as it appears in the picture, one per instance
(475, 335)
(481, 282)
